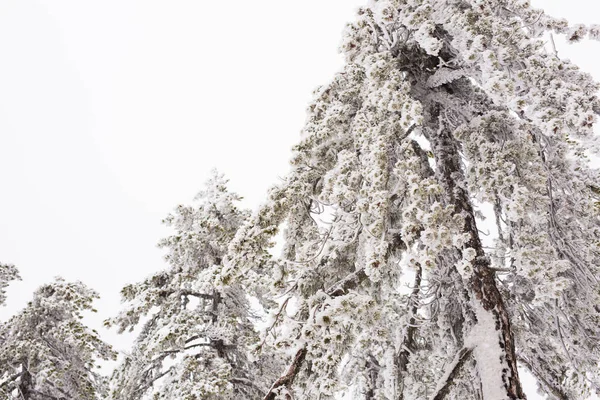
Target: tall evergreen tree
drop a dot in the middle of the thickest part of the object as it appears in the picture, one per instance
(196, 337)
(46, 352)
(443, 110)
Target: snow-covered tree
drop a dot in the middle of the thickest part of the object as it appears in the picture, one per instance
(196, 338)
(46, 352)
(444, 110)
(8, 273)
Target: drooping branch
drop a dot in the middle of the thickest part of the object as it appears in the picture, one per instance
(212, 343)
(278, 316)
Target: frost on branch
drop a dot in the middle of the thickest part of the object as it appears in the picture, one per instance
(196, 333)
(47, 353)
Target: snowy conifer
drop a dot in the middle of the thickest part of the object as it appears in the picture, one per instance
(46, 352)
(196, 338)
(8, 273)
(444, 109)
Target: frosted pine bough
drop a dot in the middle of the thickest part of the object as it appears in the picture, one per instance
(46, 352)
(195, 337)
(442, 107)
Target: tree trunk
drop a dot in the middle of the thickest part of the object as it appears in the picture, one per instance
(485, 294)
(25, 384)
(408, 342)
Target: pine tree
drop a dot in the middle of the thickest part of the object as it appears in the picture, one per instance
(46, 352)
(196, 337)
(8, 273)
(444, 110)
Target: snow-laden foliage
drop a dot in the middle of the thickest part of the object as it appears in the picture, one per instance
(385, 288)
(8, 273)
(196, 338)
(46, 352)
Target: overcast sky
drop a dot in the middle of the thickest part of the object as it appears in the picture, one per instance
(113, 112)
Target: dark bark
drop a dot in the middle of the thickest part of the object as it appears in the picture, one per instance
(482, 281)
(218, 345)
(461, 309)
(216, 300)
(287, 379)
(26, 384)
(348, 283)
(373, 368)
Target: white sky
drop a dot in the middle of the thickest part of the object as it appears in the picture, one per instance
(113, 112)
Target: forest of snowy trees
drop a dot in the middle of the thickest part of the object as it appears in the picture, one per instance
(367, 273)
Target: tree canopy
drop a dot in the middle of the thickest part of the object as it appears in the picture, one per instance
(197, 337)
(439, 227)
(443, 110)
(46, 352)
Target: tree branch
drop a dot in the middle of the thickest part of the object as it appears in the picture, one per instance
(287, 379)
(444, 385)
(350, 282)
(340, 288)
(247, 382)
(556, 390)
(44, 395)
